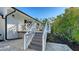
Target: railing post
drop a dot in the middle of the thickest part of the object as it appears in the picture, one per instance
(49, 28)
(25, 45)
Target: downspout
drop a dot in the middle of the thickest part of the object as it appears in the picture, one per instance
(5, 38)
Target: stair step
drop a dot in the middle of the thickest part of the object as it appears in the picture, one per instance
(36, 47)
(36, 43)
(38, 34)
(37, 40)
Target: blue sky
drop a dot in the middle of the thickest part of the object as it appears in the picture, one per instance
(42, 12)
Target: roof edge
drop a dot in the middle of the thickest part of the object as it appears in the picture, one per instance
(25, 14)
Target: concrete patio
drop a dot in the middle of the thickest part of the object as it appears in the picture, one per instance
(57, 47)
(13, 45)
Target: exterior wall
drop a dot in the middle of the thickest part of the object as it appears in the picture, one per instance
(13, 23)
(2, 28)
(12, 28)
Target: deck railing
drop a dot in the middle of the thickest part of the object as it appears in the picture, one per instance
(28, 36)
(24, 27)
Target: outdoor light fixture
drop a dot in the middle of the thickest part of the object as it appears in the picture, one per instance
(13, 15)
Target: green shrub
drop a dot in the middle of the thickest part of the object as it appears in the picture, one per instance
(67, 24)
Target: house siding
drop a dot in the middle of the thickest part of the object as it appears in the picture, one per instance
(15, 21)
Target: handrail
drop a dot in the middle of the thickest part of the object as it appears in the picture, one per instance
(44, 37)
(29, 35)
(47, 29)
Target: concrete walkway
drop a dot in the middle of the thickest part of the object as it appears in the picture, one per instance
(57, 47)
(13, 45)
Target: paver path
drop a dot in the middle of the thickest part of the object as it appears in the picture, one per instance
(57, 47)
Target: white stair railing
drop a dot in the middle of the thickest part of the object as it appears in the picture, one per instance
(47, 29)
(44, 37)
(28, 36)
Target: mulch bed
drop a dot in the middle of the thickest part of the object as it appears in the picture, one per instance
(73, 46)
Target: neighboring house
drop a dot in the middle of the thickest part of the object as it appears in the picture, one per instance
(14, 21)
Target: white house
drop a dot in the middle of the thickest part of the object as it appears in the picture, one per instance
(17, 24)
(14, 21)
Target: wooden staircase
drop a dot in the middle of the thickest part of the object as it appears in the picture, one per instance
(36, 42)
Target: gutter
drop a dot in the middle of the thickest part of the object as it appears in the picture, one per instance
(5, 36)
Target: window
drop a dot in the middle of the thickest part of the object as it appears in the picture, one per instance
(25, 21)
